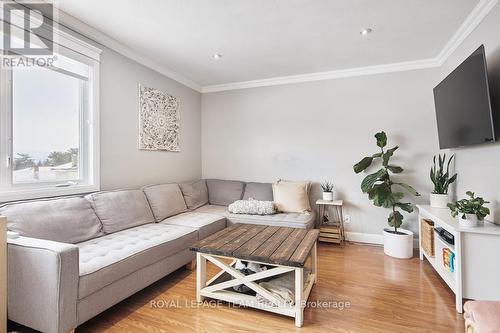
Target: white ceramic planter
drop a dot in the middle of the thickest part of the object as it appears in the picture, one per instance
(470, 220)
(328, 196)
(439, 200)
(398, 246)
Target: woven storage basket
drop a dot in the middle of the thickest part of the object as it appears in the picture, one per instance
(427, 230)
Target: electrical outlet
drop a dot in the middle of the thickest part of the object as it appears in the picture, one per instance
(347, 219)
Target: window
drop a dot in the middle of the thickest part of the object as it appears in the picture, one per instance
(49, 124)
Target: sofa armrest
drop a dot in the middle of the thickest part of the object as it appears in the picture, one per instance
(42, 284)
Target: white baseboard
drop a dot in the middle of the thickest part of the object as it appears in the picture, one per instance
(359, 237)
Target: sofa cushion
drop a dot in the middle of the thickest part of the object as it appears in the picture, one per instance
(119, 210)
(213, 209)
(195, 193)
(205, 224)
(291, 197)
(292, 220)
(66, 220)
(165, 200)
(258, 191)
(111, 257)
(224, 192)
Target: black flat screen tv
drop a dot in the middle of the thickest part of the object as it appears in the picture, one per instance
(463, 106)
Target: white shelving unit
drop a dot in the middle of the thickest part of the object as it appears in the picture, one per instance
(477, 268)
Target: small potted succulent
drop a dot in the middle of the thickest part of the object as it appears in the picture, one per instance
(327, 191)
(469, 211)
(441, 180)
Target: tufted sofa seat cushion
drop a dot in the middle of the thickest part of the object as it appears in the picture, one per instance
(206, 224)
(107, 259)
(292, 220)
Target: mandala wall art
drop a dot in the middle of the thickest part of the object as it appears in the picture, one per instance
(159, 120)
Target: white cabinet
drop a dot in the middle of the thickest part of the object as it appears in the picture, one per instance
(477, 268)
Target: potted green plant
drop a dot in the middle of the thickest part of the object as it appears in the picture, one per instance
(469, 211)
(382, 189)
(327, 188)
(441, 179)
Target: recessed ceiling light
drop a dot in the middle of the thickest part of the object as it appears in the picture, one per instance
(366, 31)
(217, 56)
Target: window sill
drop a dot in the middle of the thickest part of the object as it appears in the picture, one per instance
(45, 192)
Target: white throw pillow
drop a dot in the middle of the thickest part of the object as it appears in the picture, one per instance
(252, 207)
(291, 196)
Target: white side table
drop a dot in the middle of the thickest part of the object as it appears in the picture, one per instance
(333, 230)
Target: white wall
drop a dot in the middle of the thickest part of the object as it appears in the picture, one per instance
(318, 130)
(123, 165)
(479, 167)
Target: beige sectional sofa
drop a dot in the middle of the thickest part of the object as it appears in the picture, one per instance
(78, 256)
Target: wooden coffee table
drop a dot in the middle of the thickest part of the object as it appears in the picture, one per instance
(284, 249)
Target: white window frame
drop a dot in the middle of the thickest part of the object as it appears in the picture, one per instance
(77, 50)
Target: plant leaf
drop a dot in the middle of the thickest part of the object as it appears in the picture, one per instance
(381, 139)
(407, 207)
(371, 179)
(395, 219)
(395, 169)
(387, 156)
(408, 188)
(363, 164)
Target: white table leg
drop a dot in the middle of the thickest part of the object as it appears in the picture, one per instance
(201, 275)
(314, 259)
(299, 292)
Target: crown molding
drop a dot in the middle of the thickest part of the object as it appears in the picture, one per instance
(476, 16)
(97, 36)
(472, 21)
(344, 73)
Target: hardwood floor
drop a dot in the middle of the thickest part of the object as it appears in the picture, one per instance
(384, 294)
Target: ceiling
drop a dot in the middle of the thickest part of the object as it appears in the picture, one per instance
(260, 39)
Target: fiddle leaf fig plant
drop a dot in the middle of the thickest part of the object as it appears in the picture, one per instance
(379, 185)
(441, 178)
(474, 205)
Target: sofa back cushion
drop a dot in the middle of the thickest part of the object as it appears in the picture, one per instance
(258, 191)
(119, 210)
(195, 193)
(165, 200)
(224, 192)
(66, 220)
